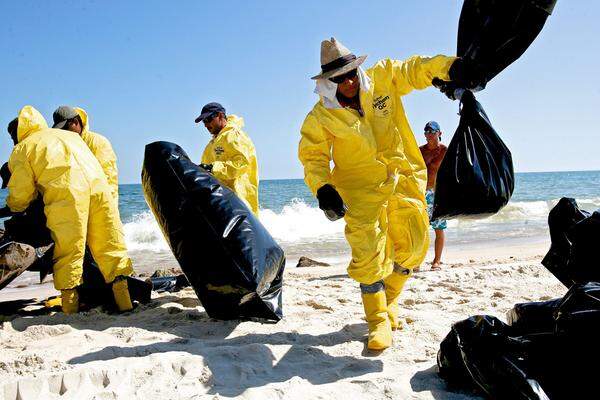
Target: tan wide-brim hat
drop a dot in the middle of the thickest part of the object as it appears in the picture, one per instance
(336, 59)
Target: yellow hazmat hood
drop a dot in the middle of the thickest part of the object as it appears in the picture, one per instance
(30, 121)
(84, 118)
(235, 122)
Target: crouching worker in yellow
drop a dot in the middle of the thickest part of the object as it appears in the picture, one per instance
(230, 155)
(77, 202)
(379, 177)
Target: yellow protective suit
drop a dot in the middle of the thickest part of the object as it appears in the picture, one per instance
(102, 149)
(77, 201)
(379, 171)
(233, 158)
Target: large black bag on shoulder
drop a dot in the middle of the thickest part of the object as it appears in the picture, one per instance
(476, 176)
(229, 258)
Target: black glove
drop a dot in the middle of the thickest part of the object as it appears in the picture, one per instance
(331, 202)
(448, 88)
(5, 212)
(465, 74)
(453, 91)
(207, 167)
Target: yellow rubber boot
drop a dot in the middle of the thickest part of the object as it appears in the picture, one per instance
(121, 293)
(394, 284)
(70, 301)
(380, 330)
(52, 302)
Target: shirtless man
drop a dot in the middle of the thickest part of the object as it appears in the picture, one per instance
(433, 153)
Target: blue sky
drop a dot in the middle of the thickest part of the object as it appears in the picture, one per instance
(143, 70)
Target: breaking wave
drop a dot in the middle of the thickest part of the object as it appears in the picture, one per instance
(299, 223)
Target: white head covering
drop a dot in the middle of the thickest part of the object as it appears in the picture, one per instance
(327, 89)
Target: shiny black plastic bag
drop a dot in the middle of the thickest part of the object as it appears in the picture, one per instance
(492, 34)
(169, 284)
(578, 314)
(476, 176)
(573, 254)
(534, 317)
(480, 353)
(551, 350)
(229, 258)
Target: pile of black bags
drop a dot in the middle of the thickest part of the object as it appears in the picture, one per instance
(548, 350)
(476, 177)
(227, 255)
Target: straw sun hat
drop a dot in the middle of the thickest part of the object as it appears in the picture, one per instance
(336, 59)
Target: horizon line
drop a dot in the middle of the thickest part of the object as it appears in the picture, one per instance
(518, 172)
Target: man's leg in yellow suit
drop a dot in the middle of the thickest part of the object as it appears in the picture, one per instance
(107, 245)
(67, 222)
(366, 232)
(408, 231)
(394, 284)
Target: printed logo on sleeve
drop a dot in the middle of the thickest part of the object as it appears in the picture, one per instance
(381, 106)
(219, 150)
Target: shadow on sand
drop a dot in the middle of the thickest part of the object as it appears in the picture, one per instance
(236, 363)
(428, 380)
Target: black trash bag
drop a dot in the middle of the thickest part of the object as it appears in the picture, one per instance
(476, 176)
(573, 256)
(492, 361)
(169, 284)
(94, 291)
(578, 314)
(230, 259)
(534, 317)
(492, 34)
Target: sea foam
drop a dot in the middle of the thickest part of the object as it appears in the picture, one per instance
(299, 223)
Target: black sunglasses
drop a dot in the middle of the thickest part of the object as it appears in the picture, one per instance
(341, 78)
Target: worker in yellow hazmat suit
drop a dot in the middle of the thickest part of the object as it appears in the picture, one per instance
(230, 155)
(65, 117)
(77, 202)
(379, 177)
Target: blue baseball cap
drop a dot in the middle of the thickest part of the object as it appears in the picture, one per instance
(432, 126)
(209, 110)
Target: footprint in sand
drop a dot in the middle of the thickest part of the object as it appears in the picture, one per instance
(317, 306)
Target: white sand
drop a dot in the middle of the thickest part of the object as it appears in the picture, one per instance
(170, 349)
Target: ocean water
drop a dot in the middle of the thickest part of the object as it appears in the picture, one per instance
(290, 213)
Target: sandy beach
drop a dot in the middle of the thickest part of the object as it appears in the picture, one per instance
(170, 348)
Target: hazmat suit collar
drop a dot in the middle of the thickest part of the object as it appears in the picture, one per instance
(233, 122)
(30, 122)
(327, 90)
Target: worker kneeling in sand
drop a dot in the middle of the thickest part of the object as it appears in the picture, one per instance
(379, 175)
(76, 120)
(78, 205)
(230, 155)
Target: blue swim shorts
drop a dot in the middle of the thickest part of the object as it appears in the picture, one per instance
(438, 223)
